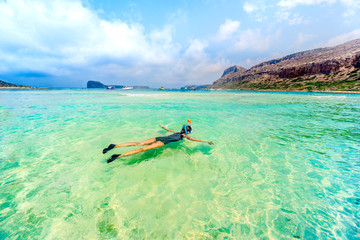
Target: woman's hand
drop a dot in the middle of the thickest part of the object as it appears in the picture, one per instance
(167, 129)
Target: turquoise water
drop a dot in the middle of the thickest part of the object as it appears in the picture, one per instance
(284, 166)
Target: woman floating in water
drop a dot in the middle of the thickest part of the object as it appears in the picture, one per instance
(155, 142)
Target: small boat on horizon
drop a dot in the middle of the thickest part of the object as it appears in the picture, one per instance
(127, 88)
(110, 87)
(161, 88)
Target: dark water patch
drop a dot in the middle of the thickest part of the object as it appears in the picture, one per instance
(222, 232)
(106, 224)
(3, 234)
(354, 201)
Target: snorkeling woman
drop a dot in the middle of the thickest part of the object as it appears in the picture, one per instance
(155, 142)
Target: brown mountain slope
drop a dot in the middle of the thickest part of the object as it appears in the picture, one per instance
(324, 69)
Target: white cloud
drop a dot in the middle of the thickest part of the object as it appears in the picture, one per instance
(255, 40)
(302, 38)
(296, 19)
(351, 3)
(249, 7)
(352, 7)
(196, 63)
(295, 3)
(65, 38)
(291, 18)
(257, 9)
(342, 38)
(66, 30)
(196, 49)
(227, 29)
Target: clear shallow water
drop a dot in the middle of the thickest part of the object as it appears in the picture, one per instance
(284, 166)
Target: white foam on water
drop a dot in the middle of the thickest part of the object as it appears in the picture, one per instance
(330, 96)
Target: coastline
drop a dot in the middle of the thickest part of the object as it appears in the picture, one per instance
(24, 88)
(218, 89)
(280, 90)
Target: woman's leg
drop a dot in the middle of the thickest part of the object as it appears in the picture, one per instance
(146, 142)
(156, 144)
(142, 143)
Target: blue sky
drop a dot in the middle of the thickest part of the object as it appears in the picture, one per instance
(160, 43)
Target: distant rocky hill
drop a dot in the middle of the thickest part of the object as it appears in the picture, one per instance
(97, 84)
(10, 85)
(195, 87)
(323, 69)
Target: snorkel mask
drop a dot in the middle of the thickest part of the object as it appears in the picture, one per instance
(185, 127)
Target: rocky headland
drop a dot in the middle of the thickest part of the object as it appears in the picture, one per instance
(6, 85)
(97, 84)
(323, 69)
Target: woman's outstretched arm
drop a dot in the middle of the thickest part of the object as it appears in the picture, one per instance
(167, 129)
(198, 140)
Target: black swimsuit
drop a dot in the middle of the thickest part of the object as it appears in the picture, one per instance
(171, 138)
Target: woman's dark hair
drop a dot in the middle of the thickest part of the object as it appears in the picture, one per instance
(188, 129)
